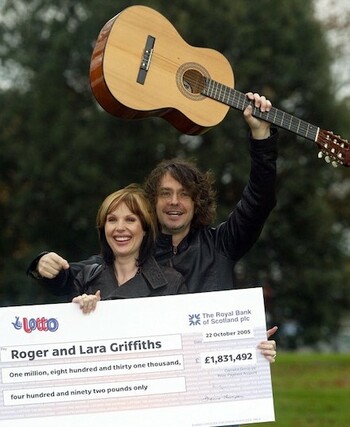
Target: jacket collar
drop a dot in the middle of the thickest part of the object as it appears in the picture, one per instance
(153, 273)
(165, 241)
(151, 276)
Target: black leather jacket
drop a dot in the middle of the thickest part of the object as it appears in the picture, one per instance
(152, 280)
(206, 256)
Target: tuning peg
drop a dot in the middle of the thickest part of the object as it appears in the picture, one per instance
(327, 159)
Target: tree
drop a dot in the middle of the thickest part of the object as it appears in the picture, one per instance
(63, 154)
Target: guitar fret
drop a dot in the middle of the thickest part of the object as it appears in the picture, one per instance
(243, 102)
(216, 90)
(213, 89)
(221, 92)
(274, 110)
(227, 94)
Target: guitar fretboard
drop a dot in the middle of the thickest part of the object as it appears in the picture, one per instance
(238, 100)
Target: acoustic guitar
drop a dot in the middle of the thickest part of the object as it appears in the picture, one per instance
(141, 67)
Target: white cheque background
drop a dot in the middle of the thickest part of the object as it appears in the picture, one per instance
(105, 367)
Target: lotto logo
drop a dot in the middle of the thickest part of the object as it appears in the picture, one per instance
(39, 324)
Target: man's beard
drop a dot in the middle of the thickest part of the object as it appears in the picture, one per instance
(172, 229)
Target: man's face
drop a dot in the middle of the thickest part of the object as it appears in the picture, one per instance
(174, 207)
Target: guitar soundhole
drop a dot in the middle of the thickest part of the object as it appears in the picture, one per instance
(190, 80)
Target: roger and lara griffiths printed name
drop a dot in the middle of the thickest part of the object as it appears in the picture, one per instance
(121, 347)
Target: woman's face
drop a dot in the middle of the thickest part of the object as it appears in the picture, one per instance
(124, 232)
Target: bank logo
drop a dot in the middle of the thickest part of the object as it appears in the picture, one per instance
(41, 324)
(194, 319)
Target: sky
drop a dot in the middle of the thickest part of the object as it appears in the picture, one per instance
(337, 12)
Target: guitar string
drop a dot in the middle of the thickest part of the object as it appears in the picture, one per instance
(278, 117)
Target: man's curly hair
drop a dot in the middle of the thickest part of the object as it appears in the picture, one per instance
(198, 184)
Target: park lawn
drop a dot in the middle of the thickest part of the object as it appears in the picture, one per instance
(311, 390)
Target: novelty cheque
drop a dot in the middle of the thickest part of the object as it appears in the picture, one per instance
(180, 361)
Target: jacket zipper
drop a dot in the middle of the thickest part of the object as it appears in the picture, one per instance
(174, 251)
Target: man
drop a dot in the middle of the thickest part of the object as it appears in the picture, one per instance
(185, 207)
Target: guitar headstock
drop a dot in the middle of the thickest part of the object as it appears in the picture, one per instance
(334, 149)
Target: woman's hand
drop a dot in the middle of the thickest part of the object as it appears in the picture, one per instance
(51, 264)
(87, 303)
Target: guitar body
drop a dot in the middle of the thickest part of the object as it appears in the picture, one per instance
(131, 81)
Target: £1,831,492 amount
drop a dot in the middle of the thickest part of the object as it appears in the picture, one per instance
(221, 359)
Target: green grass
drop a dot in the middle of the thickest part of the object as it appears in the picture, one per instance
(311, 390)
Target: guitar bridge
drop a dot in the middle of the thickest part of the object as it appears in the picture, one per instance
(146, 60)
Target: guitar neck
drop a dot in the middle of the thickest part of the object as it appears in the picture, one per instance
(239, 101)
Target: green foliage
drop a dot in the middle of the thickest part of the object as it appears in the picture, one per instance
(61, 154)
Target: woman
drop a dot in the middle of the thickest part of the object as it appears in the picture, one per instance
(127, 230)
